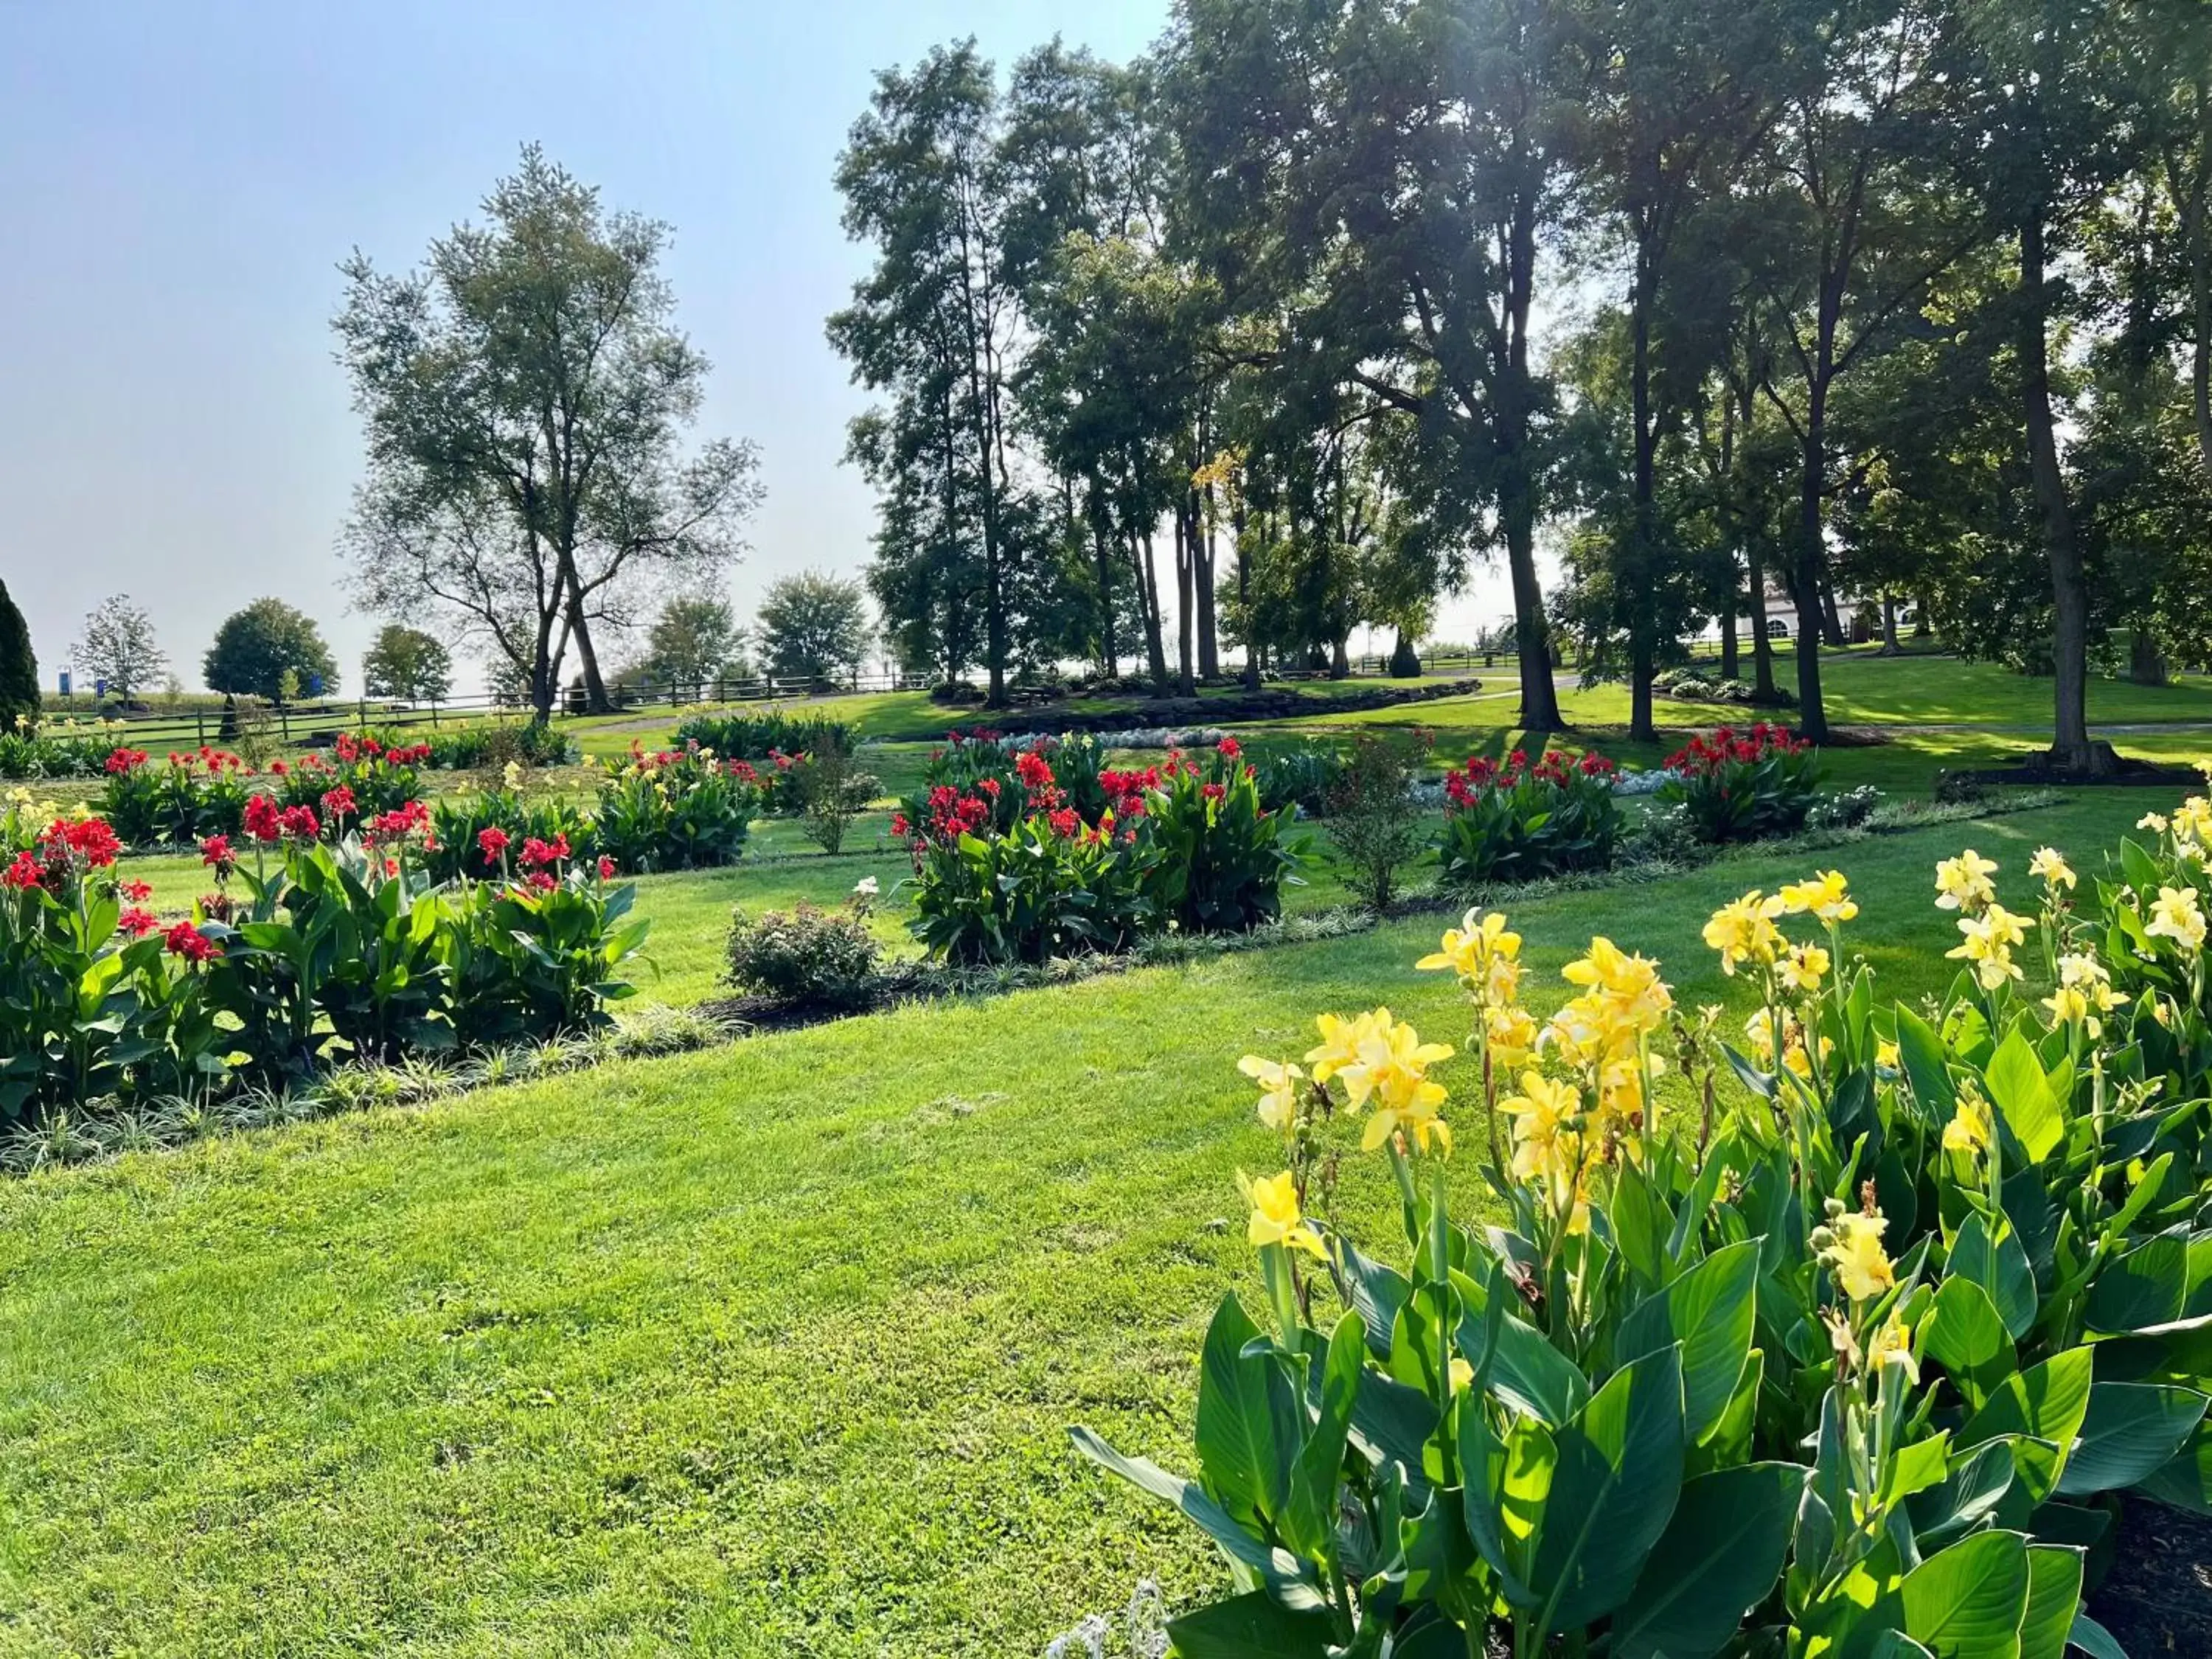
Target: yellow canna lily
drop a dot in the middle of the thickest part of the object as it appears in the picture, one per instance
(1963, 882)
(1802, 967)
(2175, 915)
(1743, 931)
(1863, 1269)
(1972, 1129)
(1892, 1344)
(1279, 1082)
(1825, 896)
(2051, 864)
(1275, 1218)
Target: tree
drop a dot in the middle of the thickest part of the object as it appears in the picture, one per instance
(255, 646)
(118, 647)
(405, 662)
(693, 640)
(19, 667)
(526, 396)
(813, 626)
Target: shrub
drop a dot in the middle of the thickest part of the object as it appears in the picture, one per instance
(676, 809)
(19, 669)
(1039, 891)
(1846, 809)
(756, 734)
(1857, 1358)
(1304, 777)
(1374, 817)
(491, 745)
(830, 790)
(806, 959)
(1746, 785)
(460, 845)
(1216, 861)
(1523, 823)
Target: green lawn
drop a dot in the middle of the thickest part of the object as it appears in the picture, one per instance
(764, 1350)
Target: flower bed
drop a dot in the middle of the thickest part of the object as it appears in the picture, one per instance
(1522, 821)
(757, 734)
(1845, 1343)
(305, 951)
(1744, 785)
(1012, 865)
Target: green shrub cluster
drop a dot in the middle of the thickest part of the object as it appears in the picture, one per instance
(759, 734)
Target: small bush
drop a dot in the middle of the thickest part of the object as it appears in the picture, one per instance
(1520, 822)
(807, 957)
(1217, 860)
(1847, 809)
(757, 734)
(1374, 816)
(830, 790)
(1302, 777)
(1745, 785)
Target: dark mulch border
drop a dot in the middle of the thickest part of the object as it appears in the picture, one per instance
(2119, 771)
(2157, 1597)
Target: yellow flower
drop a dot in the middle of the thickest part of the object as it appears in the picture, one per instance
(1389, 1067)
(1892, 1344)
(2175, 915)
(2152, 821)
(1963, 882)
(1339, 1041)
(1824, 897)
(1760, 1029)
(1970, 1129)
(1854, 1251)
(2050, 864)
(1886, 1054)
(1462, 1374)
(1275, 1218)
(1475, 949)
(1987, 945)
(1802, 967)
(1278, 1088)
(1512, 1034)
(513, 775)
(1540, 1115)
(1743, 931)
(1628, 989)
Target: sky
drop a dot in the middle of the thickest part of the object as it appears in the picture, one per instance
(181, 182)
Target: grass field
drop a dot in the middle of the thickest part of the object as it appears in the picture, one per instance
(766, 1350)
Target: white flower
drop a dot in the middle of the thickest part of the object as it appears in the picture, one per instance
(865, 887)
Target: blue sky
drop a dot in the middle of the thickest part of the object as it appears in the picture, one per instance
(183, 180)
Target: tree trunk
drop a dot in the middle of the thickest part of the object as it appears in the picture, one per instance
(1762, 649)
(1339, 662)
(1209, 637)
(1102, 553)
(2196, 234)
(1244, 594)
(1731, 653)
(1516, 504)
(1889, 645)
(2146, 662)
(1831, 621)
(1154, 644)
(1642, 601)
(1185, 588)
(1540, 698)
(1811, 717)
(2071, 749)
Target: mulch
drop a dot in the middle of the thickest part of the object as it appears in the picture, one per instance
(2156, 1599)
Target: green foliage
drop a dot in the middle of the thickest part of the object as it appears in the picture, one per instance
(1215, 858)
(813, 626)
(828, 791)
(759, 734)
(493, 744)
(118, 647)
(19, 669)
(806, 957)
(1303, 776)
(271, 650)
(679, 811)
(693, 640)
(1374, 817)
(1744, 786)
(458, 823)
(408, 664)
(1028, 893)
(1523, 823)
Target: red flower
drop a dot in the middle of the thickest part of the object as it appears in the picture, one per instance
(606, 868)
(263, 821)
(136, 922)
(540, 881)
(123, 760)
(349, 748)
(1033, 770)
(1230, 748)
(187, 941)
(278, 769)
(24, 873)
(339, 802)
(216, 854)
(989, 786)
(300, 823)
(88, 839)
(137, 891)
(1213, 791)
(491, 842)
(1064, 822)
(899, 825)
(537, 853)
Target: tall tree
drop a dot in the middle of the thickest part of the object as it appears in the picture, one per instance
(257, 646)
(118, 647)
(933, 323)
(19, 667)
(406, 662)
(1380, 179)
(695, 638)
(813, 626)
(527, 396)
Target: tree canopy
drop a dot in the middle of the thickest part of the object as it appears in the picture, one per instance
(257, 647)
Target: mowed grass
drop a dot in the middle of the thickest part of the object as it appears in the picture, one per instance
(765, 1350)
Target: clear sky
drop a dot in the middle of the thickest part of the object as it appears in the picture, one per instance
(179, 182)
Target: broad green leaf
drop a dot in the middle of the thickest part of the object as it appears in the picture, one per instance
(1967, 1601)
(1916, 1468)
(2094, 1639)
(1720, 1555)
(1618, 1474)
(1507, 1481)
(2130, 1432)
(1968, 1494)
(2019, 1090)
(1274, 1566)
(2185, 1481)
(2045, 1402)
(1252, 1626)
(1986, 1252)
(1709, 1310)
(1926, 1067)
(2054, 1591)
(1250, 1424)
(1310, 1520)
(2143, 1288)
(1640, 1224)
(1523, 1368)
(1966, 1336)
